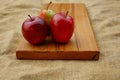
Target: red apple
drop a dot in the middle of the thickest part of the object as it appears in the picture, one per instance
(34, 30)
(62, 27)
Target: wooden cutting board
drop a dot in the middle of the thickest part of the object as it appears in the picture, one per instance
(81, 46)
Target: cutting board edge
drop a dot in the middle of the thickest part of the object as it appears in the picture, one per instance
(72, 55)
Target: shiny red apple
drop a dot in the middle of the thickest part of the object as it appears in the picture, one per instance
(62, 27)
(34, 30)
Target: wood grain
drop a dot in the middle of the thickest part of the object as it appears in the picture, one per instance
(81, 46)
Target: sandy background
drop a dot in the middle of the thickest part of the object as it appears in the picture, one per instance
(105, 18)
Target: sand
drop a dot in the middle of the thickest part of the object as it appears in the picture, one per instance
(105, 19)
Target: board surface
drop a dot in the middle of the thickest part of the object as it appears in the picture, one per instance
(82, 45)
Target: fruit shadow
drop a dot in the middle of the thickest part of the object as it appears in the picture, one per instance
(48, 41)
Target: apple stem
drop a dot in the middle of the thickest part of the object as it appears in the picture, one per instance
(48, 5)
(30, 17)
(66, 14)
